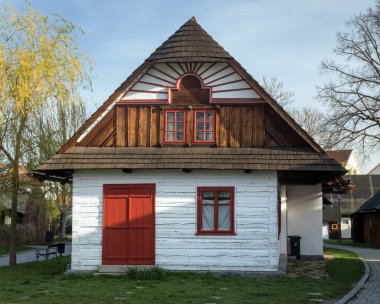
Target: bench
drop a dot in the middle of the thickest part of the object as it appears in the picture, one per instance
(52, 248)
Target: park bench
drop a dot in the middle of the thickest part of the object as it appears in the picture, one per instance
(52, 248)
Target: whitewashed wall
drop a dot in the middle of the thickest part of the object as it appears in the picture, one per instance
(305, 217)
(284, 224)
(253, 248)
(154, 84)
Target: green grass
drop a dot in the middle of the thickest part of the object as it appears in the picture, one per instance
(43, 282)
(66, 239)
(346, 242)
(5, 250)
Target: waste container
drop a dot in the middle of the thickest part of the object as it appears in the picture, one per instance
(295, 246)
(61, 248)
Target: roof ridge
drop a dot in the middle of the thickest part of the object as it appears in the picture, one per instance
(191, 42)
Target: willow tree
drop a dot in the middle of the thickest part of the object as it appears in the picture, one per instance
(40, 64)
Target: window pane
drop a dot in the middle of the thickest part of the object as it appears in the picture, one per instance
(180, 126)
(170, 136)
(223, 217)
(170, 116)
(207, 217)
(208, 126)
(199, 116)
(199, 126)
(224, 197)
(209, 136)
(208, 196)
(179, 116)
(209, 116)
(200, 135)
(170, 126)
(179, 136)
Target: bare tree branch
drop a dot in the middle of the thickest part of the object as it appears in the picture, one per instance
(353, 98)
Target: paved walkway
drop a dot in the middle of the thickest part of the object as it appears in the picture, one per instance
(29, 256)
(370, 293)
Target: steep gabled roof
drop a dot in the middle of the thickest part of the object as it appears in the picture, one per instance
(341, 156)
(214, 53)
(371, 204)
(374, 169)
(190, 43)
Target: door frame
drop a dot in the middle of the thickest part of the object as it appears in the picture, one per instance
(152, 187)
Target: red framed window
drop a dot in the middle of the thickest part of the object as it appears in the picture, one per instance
(204, 126)
(215, 210)
(174, 126)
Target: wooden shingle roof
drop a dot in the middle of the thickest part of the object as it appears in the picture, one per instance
(190, 43)
(371, 205)
(270, 158)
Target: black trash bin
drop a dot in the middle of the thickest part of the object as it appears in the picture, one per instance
(295, 246)
(61, 248)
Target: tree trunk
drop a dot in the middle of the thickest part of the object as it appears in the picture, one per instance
(15, 189)
(13, 232)
(64, 216)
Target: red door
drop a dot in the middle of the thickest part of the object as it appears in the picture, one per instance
(128, 225)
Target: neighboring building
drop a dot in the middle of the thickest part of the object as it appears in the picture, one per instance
(335, 228)
(365, 187)
(191, 165)
(347, 159)
(366, 222)
(375, 170)
(5, 197)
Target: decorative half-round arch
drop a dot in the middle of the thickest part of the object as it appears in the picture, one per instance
(189, 89)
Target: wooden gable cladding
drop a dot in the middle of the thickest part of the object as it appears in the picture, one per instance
(235, 126)
(103, 134)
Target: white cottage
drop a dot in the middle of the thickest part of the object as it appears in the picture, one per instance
(191, 165)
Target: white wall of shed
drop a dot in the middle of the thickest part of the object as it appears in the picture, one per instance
(283, 235)
(345, 227)
(253, 248)
(305, 217)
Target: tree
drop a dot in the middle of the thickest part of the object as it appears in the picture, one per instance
(313, 122)
(353, 97)
(52, 127)
(40, 64)
(276, 89)
(309, 118)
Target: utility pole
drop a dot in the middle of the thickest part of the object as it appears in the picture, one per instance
(340, 220)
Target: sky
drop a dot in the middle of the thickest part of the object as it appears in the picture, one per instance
(286, 39)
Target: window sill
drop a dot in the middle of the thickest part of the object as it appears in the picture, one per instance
(216, 233)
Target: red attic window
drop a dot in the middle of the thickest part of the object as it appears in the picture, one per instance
(204, 126)
(215, 210)
(174, 127)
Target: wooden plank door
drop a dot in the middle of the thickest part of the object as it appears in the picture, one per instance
(128, 225)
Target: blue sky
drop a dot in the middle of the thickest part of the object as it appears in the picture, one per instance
(282, 38)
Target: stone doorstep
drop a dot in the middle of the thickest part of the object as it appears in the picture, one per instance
(116, 270)
(121, 269)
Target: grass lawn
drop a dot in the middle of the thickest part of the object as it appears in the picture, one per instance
(43, 282)
(5, 250)
(346, 242)
(66, 239)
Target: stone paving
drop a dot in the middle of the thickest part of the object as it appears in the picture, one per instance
(370, 293)
(29, 256)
